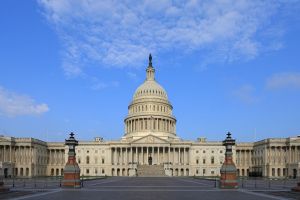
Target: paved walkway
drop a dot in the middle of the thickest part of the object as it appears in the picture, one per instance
(164, 188)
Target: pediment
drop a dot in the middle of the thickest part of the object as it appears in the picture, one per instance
(150, 139)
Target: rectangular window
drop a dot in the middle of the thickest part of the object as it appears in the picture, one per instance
(103, 160)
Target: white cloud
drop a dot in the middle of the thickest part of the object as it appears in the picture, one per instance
(122, 33)
(12, 104)
(246, 94)
(286, 80)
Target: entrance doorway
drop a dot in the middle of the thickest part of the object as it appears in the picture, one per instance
(5, 172)
(294, 173)
(150, 160)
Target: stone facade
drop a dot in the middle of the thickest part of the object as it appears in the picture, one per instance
(150, 138)
(273, 157)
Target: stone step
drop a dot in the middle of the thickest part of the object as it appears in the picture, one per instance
(150, 170)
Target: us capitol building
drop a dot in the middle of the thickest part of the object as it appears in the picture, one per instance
(149, 146)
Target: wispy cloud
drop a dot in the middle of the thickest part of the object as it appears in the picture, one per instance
(100, 85)
(13, 104)
(132, 76)
(122, 33)
(246, 94)
(286, 80)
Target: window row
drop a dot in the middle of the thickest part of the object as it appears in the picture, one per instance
(141, 108)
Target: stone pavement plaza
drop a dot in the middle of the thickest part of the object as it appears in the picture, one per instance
(157, 188)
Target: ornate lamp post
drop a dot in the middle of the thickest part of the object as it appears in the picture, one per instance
(228, 170)
(71, 170)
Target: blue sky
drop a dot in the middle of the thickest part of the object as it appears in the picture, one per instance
(74, 65)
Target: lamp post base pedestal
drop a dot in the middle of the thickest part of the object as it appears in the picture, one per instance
(296, 189)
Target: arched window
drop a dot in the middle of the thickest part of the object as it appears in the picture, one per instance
(212, 160)
(87, 160)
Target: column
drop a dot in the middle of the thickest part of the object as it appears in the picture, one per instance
(142, 155)
(136, 154)
(126, 160)
(147, 156)
(111, 155)
(188, 156)
(163, 160)
(132, 123)
(115, 156)
(179, 156)
(10, 156)
(173, 155)
(290, 154)
(183, 158)
(55, 155)
(131, 155)
(4, 156)
(152, 155)
(169, 148)
(121, 152)
(158, 162)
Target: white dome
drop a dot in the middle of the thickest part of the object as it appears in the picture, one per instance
(150, 89)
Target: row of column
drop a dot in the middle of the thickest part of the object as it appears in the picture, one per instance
(6, 153)
(152, 124)
(28, 155)
(244, 157)
(158, 155)
(56, 156)
(20, 154)
(281, 154)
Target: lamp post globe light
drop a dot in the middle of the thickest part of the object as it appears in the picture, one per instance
(71, 171)
(228, 170)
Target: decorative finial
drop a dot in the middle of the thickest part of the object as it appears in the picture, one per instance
(72, 135)
(150, 60)
(228, 135)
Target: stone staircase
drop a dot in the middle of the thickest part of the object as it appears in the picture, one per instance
(150, 170)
